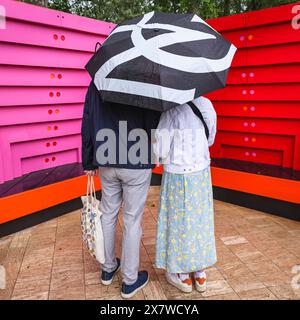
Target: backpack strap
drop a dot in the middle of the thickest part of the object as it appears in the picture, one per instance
(198, 113)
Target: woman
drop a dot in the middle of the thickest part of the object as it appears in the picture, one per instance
(185, 241)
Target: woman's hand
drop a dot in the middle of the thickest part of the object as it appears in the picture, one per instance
(92, 172)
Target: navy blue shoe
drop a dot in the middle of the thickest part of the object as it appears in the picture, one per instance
(107, 277)
(129, 290)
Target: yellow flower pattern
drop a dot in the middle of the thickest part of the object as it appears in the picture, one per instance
(185, 232)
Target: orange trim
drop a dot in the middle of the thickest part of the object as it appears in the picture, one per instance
(24, 203)
(158, 170)
(266, 186)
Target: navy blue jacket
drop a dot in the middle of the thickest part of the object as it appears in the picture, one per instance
(106, 115)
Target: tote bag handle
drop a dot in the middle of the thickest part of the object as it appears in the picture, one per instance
(90, 190)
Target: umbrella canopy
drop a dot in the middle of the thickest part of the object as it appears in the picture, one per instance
(159, 60)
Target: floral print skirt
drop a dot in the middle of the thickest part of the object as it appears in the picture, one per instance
(185, 240)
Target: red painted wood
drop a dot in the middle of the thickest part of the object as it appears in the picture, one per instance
(267, 56)
(269, 156)
(258, 92)
(261, 102)
(259, 109)
(282, 73)
(268, 127)
(255, 18)
(263, 35)
(250, 141)
(256, 125)
(270, 55)
(271, 16)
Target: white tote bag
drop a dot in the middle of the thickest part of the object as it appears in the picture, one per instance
(91, 222)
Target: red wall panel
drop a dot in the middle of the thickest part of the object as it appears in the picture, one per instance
(259, 110)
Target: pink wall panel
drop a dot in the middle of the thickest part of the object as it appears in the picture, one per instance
(42, 86)
(28, 114)
(9, 135)
(24, 12)
(47, 36)
(43, 150)
(49, 160)
(41, 76)
(41, 56)
(17, 96)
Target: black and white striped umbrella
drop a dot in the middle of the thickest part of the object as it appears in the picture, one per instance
(159, 60)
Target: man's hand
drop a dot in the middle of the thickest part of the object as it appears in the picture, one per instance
(92, 172)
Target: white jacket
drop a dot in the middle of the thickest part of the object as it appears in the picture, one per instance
(180, 141)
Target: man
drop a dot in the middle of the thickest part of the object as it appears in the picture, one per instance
(121, 180)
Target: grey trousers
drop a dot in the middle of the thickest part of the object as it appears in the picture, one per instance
(131, 187)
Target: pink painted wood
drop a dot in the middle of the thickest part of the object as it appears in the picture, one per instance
(30, 133)
(40, 35)
(18, 96)
(41, 150)
(43, 85)
(41, 56)
(41, 76)
(29, 114)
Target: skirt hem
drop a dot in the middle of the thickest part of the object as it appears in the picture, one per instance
(202, 267)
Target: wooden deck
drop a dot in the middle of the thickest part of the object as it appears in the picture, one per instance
(256, 256)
